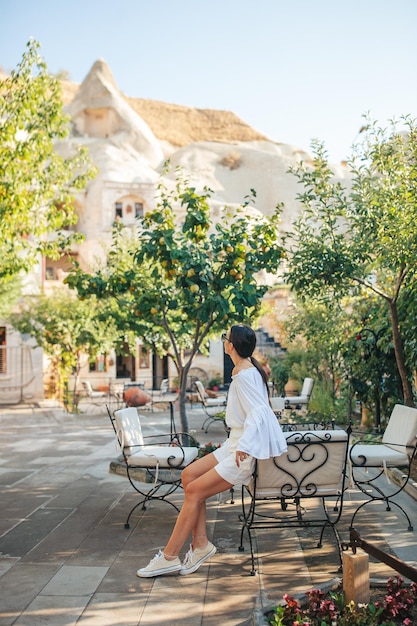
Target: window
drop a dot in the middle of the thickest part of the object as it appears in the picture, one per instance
(138, 209)
(49, 273)
(99, 364)
(119, 209)
(143, 357)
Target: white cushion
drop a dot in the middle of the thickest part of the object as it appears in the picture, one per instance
(297, 399)
(215, 401)
(378, 455)
(277, 403)
(401, 430)
(128, 428)
(151, 456)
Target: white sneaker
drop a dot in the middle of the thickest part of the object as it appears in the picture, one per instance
(194, 558)
(159, 565)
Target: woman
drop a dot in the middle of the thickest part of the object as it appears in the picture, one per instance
(254, 434)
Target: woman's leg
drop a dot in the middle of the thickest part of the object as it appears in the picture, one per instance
(200, 483)
(189, 474)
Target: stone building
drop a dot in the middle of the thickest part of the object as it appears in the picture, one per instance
(129, 140)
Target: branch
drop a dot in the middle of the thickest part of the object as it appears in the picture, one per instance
(364, 283)
(401, 277)
(172, 339)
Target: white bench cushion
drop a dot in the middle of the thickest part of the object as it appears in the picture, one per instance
(215, 401)
(378, 455)
(151, 456)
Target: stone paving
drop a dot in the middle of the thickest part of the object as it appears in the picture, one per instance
(66, 558)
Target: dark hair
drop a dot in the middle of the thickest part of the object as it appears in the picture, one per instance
(244, 340)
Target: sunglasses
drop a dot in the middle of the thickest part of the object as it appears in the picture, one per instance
(224, 337)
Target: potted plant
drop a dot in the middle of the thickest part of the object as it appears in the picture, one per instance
(215, 382)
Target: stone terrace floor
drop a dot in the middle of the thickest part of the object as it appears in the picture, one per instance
(66, 558)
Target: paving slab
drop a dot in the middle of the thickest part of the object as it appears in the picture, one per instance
(66, 557)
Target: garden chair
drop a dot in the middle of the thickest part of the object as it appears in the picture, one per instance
(313, 470)
(157, 395)
(370, 461)
(277, 405)
(153, 463)
(213, 407)
(90, 392)
(301, 401)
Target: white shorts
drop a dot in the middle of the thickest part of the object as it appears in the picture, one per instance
(228, 469)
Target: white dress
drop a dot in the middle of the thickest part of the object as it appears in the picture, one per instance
(254, 428)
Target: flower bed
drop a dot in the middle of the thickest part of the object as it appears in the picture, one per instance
(396, 606)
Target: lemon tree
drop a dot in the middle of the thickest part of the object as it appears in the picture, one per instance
(183, 277)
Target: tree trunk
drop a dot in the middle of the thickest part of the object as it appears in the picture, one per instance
(183, 374)
(399, 355)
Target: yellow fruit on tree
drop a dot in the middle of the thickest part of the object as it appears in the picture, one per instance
(194, 288)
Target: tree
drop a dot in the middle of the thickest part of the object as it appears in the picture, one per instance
(364, 237)
(67, 329)
(36, 183)
(186, 278)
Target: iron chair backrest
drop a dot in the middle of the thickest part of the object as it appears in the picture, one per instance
(315, 466)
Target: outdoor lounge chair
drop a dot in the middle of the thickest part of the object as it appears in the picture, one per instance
(213, 407)
(301, 401)
(313, 470)
(91, 393)
(277, 405)
(370, 462)
(154, 463)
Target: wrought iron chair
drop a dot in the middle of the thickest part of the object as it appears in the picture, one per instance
(370, 461)
(90, 392)
(213, 407)
(314, 467)
(154, 463)
(301, 401)
(277, 405)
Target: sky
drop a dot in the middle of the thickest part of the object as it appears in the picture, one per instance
(295, 70)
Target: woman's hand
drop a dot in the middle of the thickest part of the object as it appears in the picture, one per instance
(240, 456)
